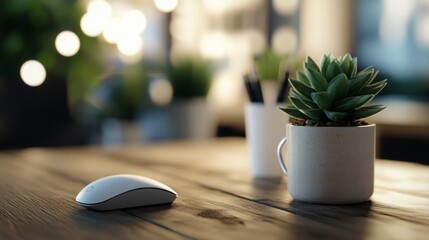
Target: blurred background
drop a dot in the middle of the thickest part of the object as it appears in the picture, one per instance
(139, 71)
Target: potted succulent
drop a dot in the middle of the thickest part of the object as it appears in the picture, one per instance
(330, 149)
(188, 115)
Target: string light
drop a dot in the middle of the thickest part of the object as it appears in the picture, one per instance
(67, 43)
(33, 73)
(166, 5)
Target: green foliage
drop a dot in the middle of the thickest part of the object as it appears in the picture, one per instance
(28, 29)
(333, 92)
(190, 77)
(270, 66)
(120, 96)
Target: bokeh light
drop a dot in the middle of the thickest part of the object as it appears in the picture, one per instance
(130, 45)
(285, 7)
(224, 91)
(214, 44)
(134, 21)
(166, 5)
(217, 6)
(98, 13)
(33, 73)
(160, 91)
(99, 8)
(91, 25)
(285, 40)
(67, 43)
(422, 33)
(113, 30)
(256, 39)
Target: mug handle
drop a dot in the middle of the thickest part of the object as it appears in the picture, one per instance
(279, 155)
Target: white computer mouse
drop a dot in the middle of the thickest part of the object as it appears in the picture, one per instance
(124, 191)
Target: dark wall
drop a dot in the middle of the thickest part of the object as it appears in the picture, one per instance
(35, 116)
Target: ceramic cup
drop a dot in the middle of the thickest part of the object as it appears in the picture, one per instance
(263, 124)
(329, 165)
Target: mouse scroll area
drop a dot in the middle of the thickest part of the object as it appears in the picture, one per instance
(134, 198)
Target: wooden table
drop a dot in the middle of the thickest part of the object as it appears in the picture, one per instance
(218, 199)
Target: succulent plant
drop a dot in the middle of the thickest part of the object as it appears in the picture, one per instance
(335, 92)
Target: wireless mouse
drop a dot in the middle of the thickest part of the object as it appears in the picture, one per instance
(124, 191)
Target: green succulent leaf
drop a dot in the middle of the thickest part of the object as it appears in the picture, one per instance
(315, 114)
(305, 100)
(354, 68)
(317, 80)
(351, 103)
(360, 81)
(298, 103)
(326, 60)
(322, 100)
(295, 113)
(372, 78)
(374, 88)
(301, 89)
(346, 57)
(364, 112)
(301, 77)
(349, 66)
(336, 116)
(338, 87)
(309, 62)
(334, 91)
(333, 69)
(346, 64)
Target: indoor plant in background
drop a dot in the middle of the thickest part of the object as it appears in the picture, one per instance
(188, 115)
(50, 114)
(330, 150)
(270, 68)
(116, 104)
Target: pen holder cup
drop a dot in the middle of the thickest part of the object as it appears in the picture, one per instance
(264, 129)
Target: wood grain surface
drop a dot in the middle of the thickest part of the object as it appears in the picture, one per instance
(218, 199)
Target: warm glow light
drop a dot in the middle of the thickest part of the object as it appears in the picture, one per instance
(134, 21)
(224, 91)
(213, 45)
(285, 7)
(113, 30)
(222, 6)
(256, 40)
(130, 45)
(93, 22)
(33, 73)
(91, 25)
(180, 32)
(421, 32)
(99, 8)
(67, 43)
(166, 5)
(160, 91)
(217, 6)
(285, 40)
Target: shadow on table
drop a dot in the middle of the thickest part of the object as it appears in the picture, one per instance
(354, 218)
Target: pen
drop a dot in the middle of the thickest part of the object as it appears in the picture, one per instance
(253, 88)
(283, 87)
(258, 90)
(248, 86)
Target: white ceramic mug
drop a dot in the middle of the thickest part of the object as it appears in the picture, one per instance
(329, 165)
(262, 133)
